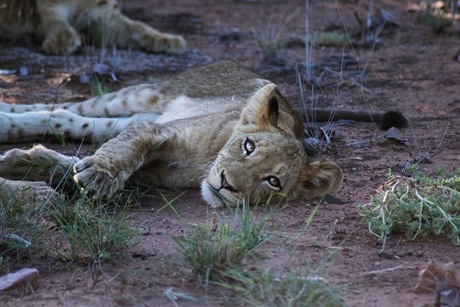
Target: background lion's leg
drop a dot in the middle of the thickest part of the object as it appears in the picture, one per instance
(124, 32)
(58, 35)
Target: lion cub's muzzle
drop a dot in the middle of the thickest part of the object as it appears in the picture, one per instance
(224, 184)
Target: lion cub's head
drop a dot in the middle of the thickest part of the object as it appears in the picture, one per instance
(264, 159)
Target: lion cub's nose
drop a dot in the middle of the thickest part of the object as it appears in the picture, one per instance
(224, 183)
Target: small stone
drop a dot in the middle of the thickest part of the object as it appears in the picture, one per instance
(84, 79)
(387, 254)
(23, 71)
(18, 278)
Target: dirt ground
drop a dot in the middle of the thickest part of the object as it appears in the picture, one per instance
(412, 70)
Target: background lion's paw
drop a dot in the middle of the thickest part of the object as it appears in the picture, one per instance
(163, 43)
(62, 41)
(176, 44)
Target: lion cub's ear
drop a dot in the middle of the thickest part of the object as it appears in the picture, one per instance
(319, 178)
(262, 109)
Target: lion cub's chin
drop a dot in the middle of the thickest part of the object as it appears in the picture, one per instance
(210, 196)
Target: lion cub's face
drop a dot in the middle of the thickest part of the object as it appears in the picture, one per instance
(264, 159)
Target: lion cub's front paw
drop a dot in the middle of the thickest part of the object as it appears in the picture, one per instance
(26, 192)
(96, 177)
(62, 41)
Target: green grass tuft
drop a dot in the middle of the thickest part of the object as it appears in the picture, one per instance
(222, 244)
(91, 229)
(272, 43)
(268, 288)
(98, 86)
(69, 228)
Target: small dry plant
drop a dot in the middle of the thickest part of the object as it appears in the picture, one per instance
(219, 250)
(437, 19)
(418, 206)
(272, 41)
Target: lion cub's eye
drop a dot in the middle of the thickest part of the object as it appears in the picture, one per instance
(274, 182)
(249, 146)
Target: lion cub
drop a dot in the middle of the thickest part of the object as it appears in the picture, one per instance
(59, 23)
(220, 128)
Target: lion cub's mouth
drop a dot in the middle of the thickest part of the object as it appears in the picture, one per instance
(212, 195)
(216, 192)
(215, 198)
(224, 184)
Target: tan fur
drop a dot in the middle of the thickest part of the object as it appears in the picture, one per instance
(60, 23)
(221, 128)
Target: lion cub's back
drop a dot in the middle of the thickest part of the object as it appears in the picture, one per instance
(222, 79)
(221, 87)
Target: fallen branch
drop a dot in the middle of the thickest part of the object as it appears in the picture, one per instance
(386, 120)
(388, 270)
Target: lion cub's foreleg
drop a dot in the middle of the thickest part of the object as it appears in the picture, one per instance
(25, 192)
(112, 165)
(31, 175)
(36, 164)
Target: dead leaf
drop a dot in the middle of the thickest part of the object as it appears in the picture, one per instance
(387, 18)
(393, 134)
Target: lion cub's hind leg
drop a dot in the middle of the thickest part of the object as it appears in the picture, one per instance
(131, 100)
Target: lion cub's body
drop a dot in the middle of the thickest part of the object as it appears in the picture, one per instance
(60, 23)
(220, 127)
